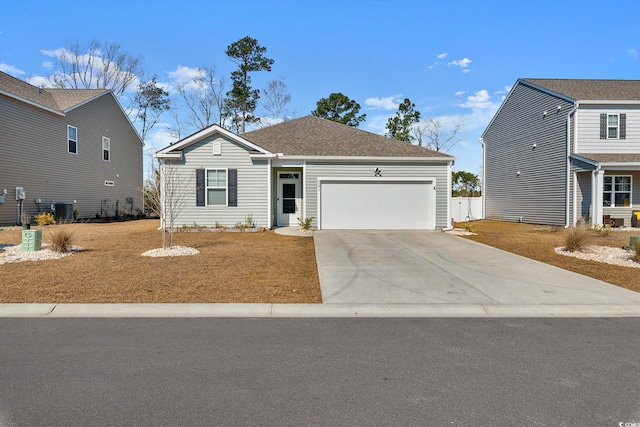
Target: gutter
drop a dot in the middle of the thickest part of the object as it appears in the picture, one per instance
(568, 164)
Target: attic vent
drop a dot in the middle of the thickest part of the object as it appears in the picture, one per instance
(217, 149)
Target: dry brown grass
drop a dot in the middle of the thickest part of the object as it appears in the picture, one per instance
(237, 267)
(538, 242)
(231, 267)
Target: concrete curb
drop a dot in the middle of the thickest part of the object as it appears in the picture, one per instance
(312, 310)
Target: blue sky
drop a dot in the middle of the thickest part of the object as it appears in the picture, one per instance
(451, 58)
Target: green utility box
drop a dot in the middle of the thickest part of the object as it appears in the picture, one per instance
(31, 240)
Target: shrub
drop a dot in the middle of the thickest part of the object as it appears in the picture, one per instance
(602, 230)
(469, 227)
(45, 218)
(575, 237)
(61, 240)
(636, 249)
(305, 223)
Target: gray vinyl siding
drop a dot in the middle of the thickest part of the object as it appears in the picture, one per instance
(589, 130)
(34, 155)
(314, 170)
(583, 195)
(253, 190)
(538, 194)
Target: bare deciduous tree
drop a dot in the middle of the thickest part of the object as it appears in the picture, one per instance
(275, 98)
(101, 66)
(166, 193)
(204, 97)
(436, 134)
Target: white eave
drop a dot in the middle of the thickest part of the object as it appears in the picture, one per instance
(609, 102)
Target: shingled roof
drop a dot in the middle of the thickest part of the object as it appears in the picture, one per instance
(53, 99)
(592, 90)
(313, 136)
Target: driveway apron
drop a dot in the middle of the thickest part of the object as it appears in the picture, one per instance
(432, 267)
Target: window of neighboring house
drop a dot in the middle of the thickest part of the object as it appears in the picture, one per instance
(617, 191)
(106, 149)
(613, 126)
(217, 187)
(613, 122)
(72, 138)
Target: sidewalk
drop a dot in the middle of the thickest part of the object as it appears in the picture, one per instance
(315, 310)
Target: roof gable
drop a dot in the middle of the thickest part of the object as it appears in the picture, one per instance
(174, 150)
(54, 100)
(313, 136)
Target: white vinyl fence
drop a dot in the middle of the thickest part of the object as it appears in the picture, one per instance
(466, 208)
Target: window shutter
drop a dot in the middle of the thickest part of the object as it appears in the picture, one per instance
(603, 126)
(200, 200)
(232, 180)
(623, 126)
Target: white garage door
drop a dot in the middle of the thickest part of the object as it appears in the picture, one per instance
(376, 203)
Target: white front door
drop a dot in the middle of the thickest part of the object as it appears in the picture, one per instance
(289, 198)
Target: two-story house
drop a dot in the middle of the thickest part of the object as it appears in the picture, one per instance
(74, 149)
(559, 150)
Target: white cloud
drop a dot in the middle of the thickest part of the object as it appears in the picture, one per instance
(479, 100)
(461, 92)
(442, 55)
(47, 64)
(463, 64)
(387, 103)
(377, 124)
(39, 81)
(633, 52)
(183, 74)
(10, 69)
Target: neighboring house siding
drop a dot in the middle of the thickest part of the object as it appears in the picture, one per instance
(583, 195)
(103, 117)
(34, 153)
(253, 191)
(537, 194)
(314, 170)
(589, 130)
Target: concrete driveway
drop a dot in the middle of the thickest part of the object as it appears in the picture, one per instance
(433, 267)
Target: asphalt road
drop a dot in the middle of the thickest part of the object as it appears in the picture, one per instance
(319, 372)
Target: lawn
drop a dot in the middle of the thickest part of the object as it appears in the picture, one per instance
(237, 267)
(231, 267)
(538, 242)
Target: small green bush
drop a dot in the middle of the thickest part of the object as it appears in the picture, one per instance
(602, 230)
(575, 237)
(61, 240)
(305, 223)
(469, 227)
(45, 218)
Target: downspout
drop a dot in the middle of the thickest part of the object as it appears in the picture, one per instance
(269, 195)
(482, 189)
(448, 190)
(568, 166)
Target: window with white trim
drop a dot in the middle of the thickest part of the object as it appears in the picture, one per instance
(106, 149)
(617, 191)
(613, 125)
(217, 187)
(72, 139)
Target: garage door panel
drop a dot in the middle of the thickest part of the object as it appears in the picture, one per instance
(377, 205)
